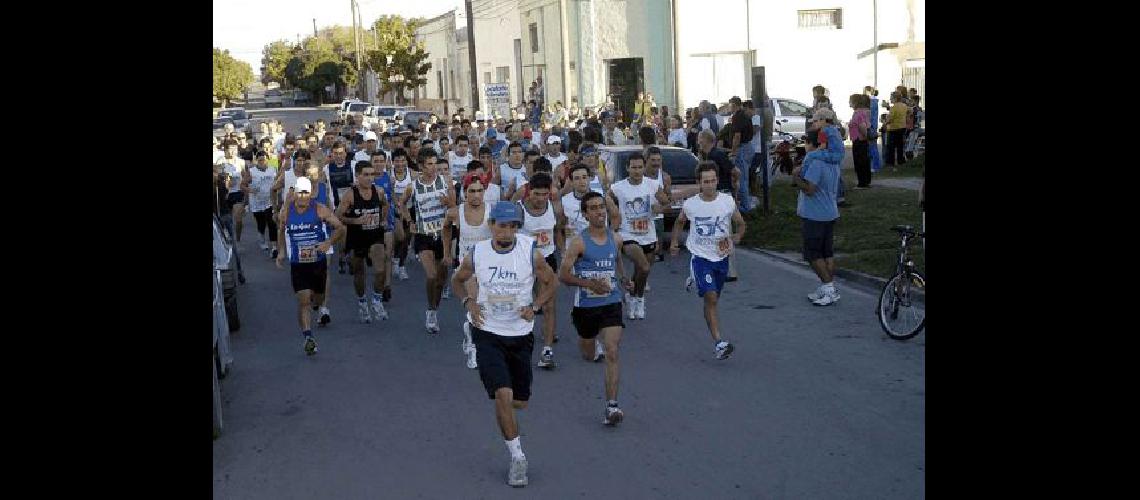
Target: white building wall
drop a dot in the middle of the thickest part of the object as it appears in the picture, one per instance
(438, 37)
(795, 59)
(497, 26)
(548, 60)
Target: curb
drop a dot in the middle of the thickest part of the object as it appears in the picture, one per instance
(866, 280)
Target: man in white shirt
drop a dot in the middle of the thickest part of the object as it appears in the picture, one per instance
(710, 244)
(611, 135)
(459, 158)
(554, 151)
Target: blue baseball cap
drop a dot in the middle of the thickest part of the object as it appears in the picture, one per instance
(506, 211)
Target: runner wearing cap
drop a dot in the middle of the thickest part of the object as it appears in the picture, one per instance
(710, 244)
(543, 222)
(365, 210)
(431, 196)
(303, 229)
(370, 146)
(471, 217)
(593, 265)
(634, 197)
(501, 316)
(554, 151)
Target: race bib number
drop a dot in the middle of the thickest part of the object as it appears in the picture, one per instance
(371, 222)
(542, 238)
(307, 254)
(724, 246)
(609, 277)
(639, 226)
(502, 306)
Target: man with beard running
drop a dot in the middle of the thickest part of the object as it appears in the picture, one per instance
(365, 210)
(471, 218)
(302, 228)
(501, 318)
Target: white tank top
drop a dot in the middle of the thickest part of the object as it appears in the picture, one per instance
(661, 182)
(290, 181)
(634, 204)
(399, 186)
(506, 284)
(470, 235)
(541, 228)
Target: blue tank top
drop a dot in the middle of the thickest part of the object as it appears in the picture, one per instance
(303, 232)
(323, 195)
(595, 262)
(385, 182)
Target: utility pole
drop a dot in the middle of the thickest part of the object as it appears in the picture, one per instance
(471, 59)
(356, 43)
(875, 48)
(314, 27)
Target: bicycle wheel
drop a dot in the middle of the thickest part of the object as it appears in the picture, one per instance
(902, 305)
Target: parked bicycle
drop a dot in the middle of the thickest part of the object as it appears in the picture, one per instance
(902, 304)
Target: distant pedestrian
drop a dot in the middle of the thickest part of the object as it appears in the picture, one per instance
(859, 127)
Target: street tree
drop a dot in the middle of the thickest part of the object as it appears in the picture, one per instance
(274, 58)
(397, 42)
(230, 76)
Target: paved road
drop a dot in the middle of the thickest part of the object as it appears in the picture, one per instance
(814, 403)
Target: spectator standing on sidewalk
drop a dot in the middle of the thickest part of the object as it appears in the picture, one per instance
(872, 96)
(859, 127)
(742, 150)
(896, 127)
(818, 181)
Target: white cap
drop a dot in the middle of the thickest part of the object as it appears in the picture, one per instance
(554, 139)
(303, 184)
(370, 136)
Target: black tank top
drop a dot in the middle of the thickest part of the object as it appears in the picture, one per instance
(361, 207)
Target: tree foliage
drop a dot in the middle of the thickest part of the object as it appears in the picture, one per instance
(274, 58)
(230, 76)
(396, 38)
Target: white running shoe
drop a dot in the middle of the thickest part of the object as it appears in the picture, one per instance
(363, 307)
(432, 323)
(689, 284)
(517, 477)
(472, 363)
(827, 298)
(599, 351)
(325, 316)
(613, 416)
(378, 310)
(816, 294)
(631, 302)
(403, 273)
(641, 308)
(468, 344)
(723, 350)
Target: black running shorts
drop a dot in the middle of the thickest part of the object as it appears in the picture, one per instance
(589, 321)
(504, 362)
(421, 242)
(553, 262)
(309, 276)
(360, 242)
(647, 249)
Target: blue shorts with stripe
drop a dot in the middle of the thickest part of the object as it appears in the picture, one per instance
(709, 276)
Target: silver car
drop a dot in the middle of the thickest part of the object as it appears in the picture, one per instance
(790, 115)
(239, 117)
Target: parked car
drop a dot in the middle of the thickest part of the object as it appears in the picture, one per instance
(351, 107)
(225, 301)
(790, 115)
(411, 118)
(679, 163)
(274, 97)
(220, 126)
(239, 116)
(377, 113)
(226, 274)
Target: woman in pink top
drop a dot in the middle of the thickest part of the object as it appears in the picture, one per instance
(858, 128)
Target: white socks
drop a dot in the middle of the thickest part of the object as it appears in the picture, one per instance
(515, 447)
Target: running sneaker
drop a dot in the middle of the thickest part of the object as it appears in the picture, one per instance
(547, 358)
(632, 303)
(517, 477)
(641, 308)
(403, 273)
(378, 310)
(472, 363)
(829, 297)
(723, 350)
(599, 351)
(816, 294)
(362, 306)
(613, 416)
(310, 345)
(689, 284)
(432, 324)
(325, 316)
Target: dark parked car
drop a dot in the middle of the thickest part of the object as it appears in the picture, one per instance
(679, 163)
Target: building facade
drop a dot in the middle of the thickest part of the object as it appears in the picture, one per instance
(439, 94)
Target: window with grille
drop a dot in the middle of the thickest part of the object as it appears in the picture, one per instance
(821, 18)
(534, 37)
(503, 74)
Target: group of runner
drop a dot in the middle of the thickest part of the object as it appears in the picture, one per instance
(507, 235)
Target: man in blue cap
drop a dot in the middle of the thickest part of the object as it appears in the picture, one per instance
(501, 318)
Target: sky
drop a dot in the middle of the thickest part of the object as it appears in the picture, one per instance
(244, 27)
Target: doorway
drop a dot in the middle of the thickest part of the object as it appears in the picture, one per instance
(626, 79)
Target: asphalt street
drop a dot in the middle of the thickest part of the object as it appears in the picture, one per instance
(814, 403)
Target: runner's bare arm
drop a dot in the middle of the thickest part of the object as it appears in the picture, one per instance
(678, 226)
(343, 208)
(545, 275)
(738, 220)
(612, 211)
(559, 229)
(404, 204)
(452, 217)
